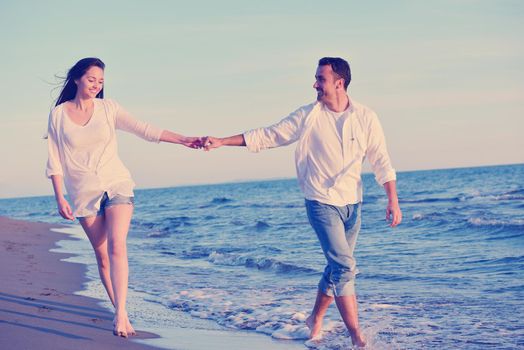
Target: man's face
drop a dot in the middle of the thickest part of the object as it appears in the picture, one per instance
(326, 83)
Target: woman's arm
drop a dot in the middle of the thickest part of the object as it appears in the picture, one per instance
(63, 206)
(55, 173)
(126, 122)
(171, 137)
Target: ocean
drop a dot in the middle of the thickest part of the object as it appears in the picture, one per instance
(243, 256)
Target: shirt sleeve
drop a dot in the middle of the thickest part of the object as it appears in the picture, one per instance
(282, 133)
(126, 122)
(377, 153)
(54, 165)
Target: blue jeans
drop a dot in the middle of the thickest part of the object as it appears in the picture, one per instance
(337, 230)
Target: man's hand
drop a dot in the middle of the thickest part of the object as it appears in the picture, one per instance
(210, 142)
(393, 213)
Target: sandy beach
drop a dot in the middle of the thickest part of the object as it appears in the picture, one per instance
(39, 307)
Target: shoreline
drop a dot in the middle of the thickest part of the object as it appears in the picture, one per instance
(45, 302)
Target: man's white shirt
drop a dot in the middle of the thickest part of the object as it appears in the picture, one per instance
(330, 151)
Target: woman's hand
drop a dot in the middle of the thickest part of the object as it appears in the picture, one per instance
(65, 209)
(191, 142)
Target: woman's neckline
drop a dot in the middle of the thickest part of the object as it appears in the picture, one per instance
(88, 120)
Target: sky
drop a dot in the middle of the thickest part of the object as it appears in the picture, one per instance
(445, 79)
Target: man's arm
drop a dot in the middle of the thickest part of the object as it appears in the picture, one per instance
(210, 142)
(282, 133)
(393, 212)
(378, 157)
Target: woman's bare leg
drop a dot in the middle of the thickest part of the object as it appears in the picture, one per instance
(94, 227)
(118, 219)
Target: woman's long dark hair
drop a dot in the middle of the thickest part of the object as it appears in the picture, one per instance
(75, 73)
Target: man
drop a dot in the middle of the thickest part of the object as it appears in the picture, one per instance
(334, 135)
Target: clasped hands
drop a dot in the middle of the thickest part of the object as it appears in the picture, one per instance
(206, 143)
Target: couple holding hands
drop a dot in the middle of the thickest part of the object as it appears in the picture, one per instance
(334, 134)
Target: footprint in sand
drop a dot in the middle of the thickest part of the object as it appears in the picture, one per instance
(44, 309)
(50, 291)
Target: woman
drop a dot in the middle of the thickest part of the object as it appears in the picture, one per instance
(83, 155)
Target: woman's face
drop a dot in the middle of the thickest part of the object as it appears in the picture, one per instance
(90, 84)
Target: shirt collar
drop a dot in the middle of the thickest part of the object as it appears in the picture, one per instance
(350, 108)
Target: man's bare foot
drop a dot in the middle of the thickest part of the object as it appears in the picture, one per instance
(314, 326)
(358, 340)
(119, 325)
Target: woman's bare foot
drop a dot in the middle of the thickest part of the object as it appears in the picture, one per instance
(314, 326)
(130, 329)
(120, 325)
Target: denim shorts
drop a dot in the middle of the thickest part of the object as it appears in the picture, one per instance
(337, 230)
(105, 202)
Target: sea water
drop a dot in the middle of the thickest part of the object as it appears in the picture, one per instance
(243, 256)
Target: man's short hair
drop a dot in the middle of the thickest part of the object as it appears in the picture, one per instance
(339, 66)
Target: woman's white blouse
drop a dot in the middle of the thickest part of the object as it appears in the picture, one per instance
(87, 156)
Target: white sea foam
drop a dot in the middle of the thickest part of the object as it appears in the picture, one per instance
(291, 332)
(279, 319)
(417, 216)
(259, 263)
(384, 306)
(495, 222)
(256, 311)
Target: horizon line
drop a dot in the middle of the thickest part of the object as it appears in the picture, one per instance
(242, 181)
